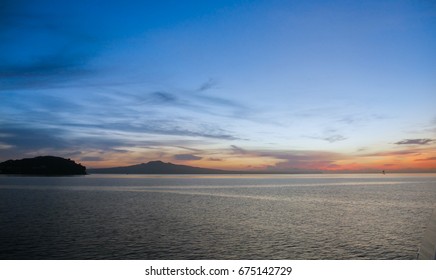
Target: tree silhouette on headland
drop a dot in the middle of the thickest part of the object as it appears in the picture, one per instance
(42, 165)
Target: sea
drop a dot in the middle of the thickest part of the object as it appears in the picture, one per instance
(196, 217)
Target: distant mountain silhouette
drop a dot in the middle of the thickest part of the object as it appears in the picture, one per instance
(158, 167)
(43, 165)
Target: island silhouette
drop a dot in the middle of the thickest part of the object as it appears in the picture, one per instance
(43, 166)
(158, 167)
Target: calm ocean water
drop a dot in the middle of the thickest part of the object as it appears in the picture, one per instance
(215, 217)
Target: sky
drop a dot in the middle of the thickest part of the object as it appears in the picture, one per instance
(337, 86)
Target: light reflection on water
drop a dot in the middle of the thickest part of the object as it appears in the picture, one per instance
(215, 216)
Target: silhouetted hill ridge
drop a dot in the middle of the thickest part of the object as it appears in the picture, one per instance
(42, 165)
(158, 167)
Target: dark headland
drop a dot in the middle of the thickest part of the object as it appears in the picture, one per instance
(42, 166)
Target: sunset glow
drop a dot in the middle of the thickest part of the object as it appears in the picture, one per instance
(280, 86)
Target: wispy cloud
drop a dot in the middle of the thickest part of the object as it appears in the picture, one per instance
(289, 160)
(329, 135)
(238, 150)
(156, 127)
(415, 141)
(161, 97)
(189, 100)
(29, 138)
(62, 138)
(304, 160)
(50, 48)
(360, 119)
(209, 84)
(91, 158)
(426, 159)
(393, 153)
(46, 72)
(334, 138)
(186, 157)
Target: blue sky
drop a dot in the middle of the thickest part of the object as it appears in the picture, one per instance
(280, 85)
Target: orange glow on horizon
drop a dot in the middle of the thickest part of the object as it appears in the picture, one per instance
(415, 160)
(424, 160)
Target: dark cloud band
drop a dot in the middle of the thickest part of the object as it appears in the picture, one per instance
(424, 141)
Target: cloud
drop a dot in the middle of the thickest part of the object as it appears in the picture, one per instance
(162, 97)
(238, 150)
(361, 119)
(157, 126)
(22, 141)
(26, 138)
(415, 141)
(47, 120)
(303, 160)
(393, 153)
(186, 157)
(42, 49)
(91, 158)
(63, 139)
(189, 149)
(334, 138)
(218, 102)
(329, 137)
(4, 146)
(47, 72)
(289, 160)
(194, 100)
(426, 159)
(205, 131)
(207, 85)
(188, 100)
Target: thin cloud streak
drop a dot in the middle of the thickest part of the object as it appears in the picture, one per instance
(330, 138)
(415, 142)
(55, 53)
(393, 153)
(292, 159)
(426, 159)
(187, 157)
(209, 84)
